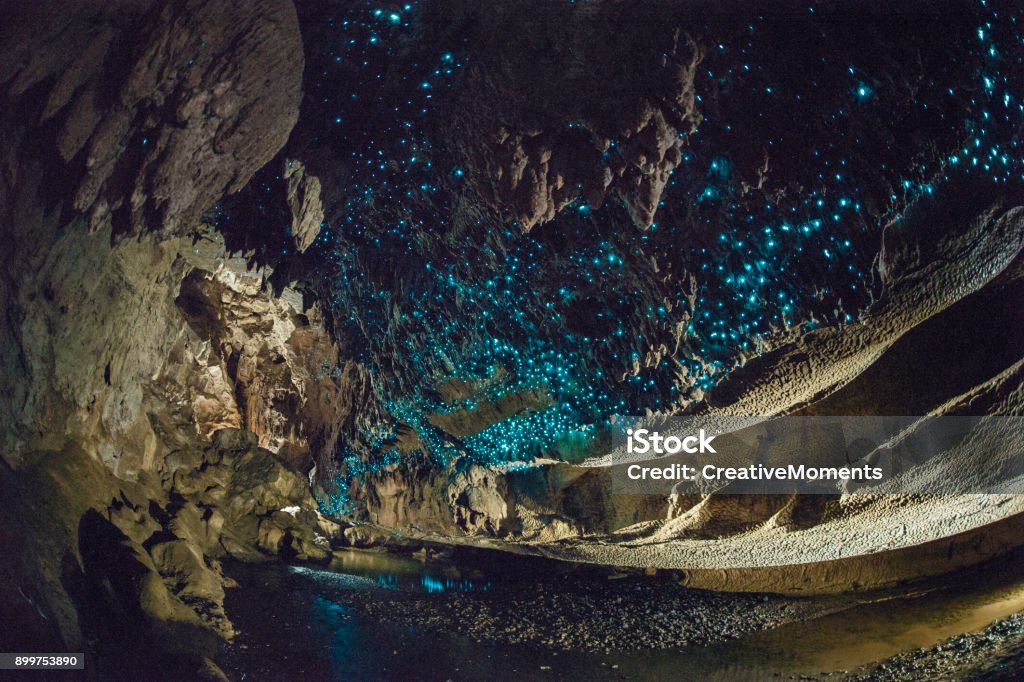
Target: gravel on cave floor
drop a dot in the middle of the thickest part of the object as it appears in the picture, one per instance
(628, 613)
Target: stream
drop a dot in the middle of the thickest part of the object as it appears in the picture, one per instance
(308, 622)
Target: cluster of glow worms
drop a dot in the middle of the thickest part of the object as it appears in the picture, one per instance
(574, 308)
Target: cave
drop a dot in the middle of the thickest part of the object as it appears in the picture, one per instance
(331, 327)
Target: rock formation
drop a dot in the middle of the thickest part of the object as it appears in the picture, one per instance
(131, 338)
(574, 119)
(270, 261)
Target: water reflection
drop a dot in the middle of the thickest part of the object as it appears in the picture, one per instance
(358, 570)
(433, 585)
(305, 623)
(334, 579)
(882, 628)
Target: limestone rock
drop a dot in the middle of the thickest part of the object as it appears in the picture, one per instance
(361, 536)
(159, 109)
(541, 501)
(191, 580)
(562, 123)
(269, 354)
(305, 203)
(132, 120)
(478, 500)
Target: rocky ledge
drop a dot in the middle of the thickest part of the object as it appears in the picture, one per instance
(109, 565)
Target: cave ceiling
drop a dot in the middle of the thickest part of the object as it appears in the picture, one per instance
(538, 215)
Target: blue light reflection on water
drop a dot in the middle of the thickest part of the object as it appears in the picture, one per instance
(286, 630)
(434, 585)
(361, 571)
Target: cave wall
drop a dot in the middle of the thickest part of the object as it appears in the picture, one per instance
(161, 402)
(543, 501)
(578, 83)
(122, 124)
(483, 170)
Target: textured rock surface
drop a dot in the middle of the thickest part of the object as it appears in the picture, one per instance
(960, 284)
(105, 562)
(270, 364)
(131, 121)
(541, 502)
(180, 340)
(305, 203)
(152, 111)
(570, 118)
(922, 278)
(808, 145)
(166, 386)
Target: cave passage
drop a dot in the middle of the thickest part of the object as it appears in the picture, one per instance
(321, 321)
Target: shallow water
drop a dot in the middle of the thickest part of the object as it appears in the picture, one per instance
(873, 631)
(294, 622)
(402, 572)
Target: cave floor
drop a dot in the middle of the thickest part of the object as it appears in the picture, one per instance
(484, 615)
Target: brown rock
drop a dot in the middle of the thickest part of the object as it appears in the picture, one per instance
(156, 117)
(304, 201)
